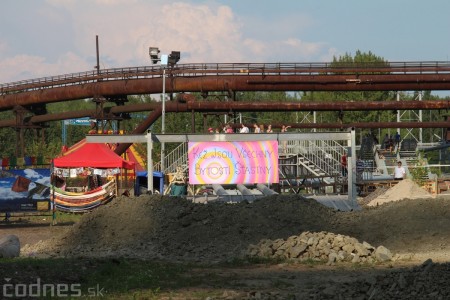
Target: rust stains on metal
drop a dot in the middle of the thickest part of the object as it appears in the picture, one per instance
(317, 106)
(207, 106)
(151, 118)
(229, 82)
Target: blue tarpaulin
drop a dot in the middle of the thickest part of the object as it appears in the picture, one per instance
(141, 182)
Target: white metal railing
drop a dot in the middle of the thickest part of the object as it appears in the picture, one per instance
(325, 155)
(174, 159)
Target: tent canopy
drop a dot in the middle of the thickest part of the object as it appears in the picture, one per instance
(93, 155)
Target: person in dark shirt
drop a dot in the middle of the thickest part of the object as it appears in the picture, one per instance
(397, 139)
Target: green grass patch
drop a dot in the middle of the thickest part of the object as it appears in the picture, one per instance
(126, 278)
(111, 278)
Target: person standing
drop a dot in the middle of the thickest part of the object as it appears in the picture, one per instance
(269, 129)
(256, 128)
(261, 128)
(244, 129)
(284, 129)
(391, 144)
(397, 139)
(344, 164)
(399, 171)
(229, 129)
(386, 141)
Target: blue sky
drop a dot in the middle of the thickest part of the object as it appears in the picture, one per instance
(51, 37)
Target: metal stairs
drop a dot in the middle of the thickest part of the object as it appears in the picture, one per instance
(174, 159)
(314, 161)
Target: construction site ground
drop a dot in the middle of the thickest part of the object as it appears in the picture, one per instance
(214, 238)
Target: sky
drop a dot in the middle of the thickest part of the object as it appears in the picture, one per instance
(41, 38)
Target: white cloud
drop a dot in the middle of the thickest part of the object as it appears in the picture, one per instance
(305, 49)
(22, 67)
(203, 33)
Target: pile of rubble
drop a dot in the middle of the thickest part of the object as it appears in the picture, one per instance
(320, 246)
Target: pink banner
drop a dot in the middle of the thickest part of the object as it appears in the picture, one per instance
(233, 162)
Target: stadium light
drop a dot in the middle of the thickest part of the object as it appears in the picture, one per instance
(164, 60)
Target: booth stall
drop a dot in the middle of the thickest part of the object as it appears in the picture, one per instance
(95, 162)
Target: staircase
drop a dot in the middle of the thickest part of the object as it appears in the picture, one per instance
(309, 162)
(408, 148)
(176, 158)
(319, 157)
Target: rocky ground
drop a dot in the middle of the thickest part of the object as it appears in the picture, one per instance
(415, 231)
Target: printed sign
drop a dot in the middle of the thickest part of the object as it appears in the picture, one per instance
(233, 162)
(24, 190)
(80, 121)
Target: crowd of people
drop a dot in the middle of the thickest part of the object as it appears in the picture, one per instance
(390, 142)
(244, 129)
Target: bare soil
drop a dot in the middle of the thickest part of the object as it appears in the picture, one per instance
(173, 229)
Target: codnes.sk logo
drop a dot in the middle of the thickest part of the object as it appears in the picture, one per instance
(41, 289)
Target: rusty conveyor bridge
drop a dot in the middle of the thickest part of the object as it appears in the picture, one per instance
(393, 76)
(28, 98)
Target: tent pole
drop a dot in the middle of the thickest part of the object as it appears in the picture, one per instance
(53, 196)
(150, 163)
(117, 185)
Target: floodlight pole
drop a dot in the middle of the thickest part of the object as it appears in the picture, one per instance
(163, 126)
(164, 61)
(149, 162)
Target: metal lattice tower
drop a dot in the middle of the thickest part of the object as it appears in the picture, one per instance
(309, 117)
(410, 116)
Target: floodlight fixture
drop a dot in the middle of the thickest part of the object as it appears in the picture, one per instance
(154, 54)
(174, 57)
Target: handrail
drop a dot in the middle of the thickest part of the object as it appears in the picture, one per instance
(172, 160)
(323, 155)
(214, 69)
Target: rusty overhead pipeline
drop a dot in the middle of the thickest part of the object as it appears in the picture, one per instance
(209, 106)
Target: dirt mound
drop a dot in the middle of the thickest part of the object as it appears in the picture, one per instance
(179, 230)
(405, 189)
(176, 229)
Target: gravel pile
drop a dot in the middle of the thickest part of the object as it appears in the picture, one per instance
(320, 246)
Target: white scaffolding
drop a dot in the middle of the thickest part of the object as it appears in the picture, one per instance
(151, 138)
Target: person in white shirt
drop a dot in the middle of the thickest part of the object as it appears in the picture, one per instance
(244, 129)
(284, 128)
(399, 171)
(256, 128)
